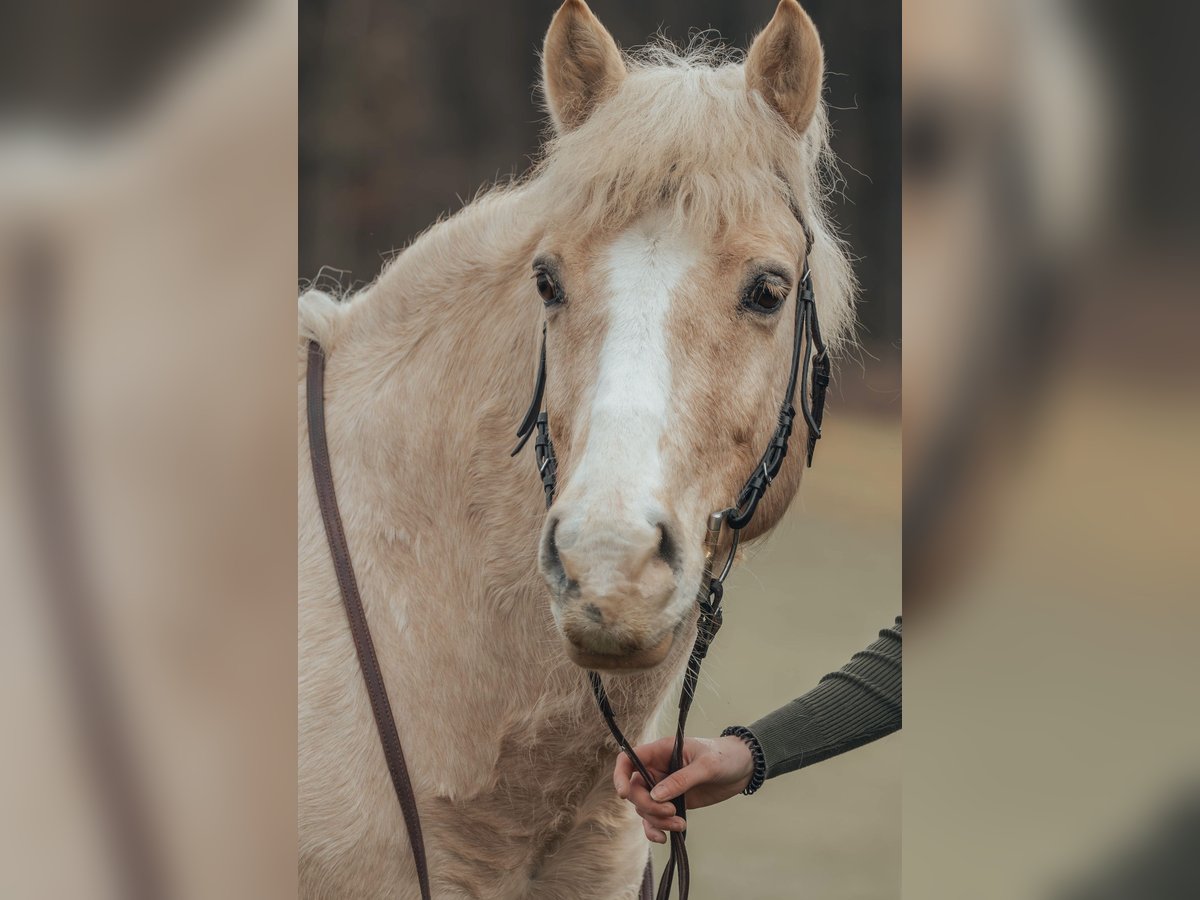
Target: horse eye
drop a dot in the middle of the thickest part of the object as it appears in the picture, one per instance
(546, 288)
(765, 296)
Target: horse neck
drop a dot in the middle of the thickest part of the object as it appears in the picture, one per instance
(462, 287)
(432, 369)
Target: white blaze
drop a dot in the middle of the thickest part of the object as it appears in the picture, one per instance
(621, 465)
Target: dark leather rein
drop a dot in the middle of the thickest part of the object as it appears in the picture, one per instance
(385, 722)
(737, 517)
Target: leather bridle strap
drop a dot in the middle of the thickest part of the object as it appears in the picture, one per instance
(369, 663)
(807, 336)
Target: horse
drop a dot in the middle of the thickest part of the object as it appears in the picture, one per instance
(656, 243)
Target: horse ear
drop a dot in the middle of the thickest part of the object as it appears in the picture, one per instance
(786, 63)
(581, 65)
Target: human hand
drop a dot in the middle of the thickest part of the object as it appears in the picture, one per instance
(713, 770)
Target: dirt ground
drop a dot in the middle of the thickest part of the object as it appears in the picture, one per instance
(804, 600)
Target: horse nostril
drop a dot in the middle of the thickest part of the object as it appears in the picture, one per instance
(668, 549)
(551, 562)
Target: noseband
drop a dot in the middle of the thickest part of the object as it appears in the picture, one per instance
(738, 516)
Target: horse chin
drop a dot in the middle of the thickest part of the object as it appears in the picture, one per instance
(637, 660)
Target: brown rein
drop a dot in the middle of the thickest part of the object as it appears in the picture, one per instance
(318, 448)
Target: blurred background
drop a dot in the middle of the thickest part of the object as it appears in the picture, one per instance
(406, 110)
(147, 434)
(1050, 434)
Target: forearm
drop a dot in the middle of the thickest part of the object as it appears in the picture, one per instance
(859, 703)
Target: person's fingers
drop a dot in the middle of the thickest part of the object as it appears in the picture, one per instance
(621, 773)
(666, 823)
(685, 779)
(656, 755)
(639, 796)
(653, 833)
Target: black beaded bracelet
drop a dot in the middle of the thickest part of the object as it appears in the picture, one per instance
(756, 751)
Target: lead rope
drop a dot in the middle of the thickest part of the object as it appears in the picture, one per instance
(737, 517)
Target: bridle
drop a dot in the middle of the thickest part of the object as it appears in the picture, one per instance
(709, 597)
(738, 516)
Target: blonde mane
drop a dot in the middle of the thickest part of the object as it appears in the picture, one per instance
(682, 130)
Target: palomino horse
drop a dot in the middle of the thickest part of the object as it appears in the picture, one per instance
(660, 239)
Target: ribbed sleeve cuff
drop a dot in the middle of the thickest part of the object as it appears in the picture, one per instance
(784, 736)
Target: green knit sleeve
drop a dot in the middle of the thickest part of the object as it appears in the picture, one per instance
(855, 705)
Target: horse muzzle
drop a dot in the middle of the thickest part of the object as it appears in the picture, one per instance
(613, 590)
